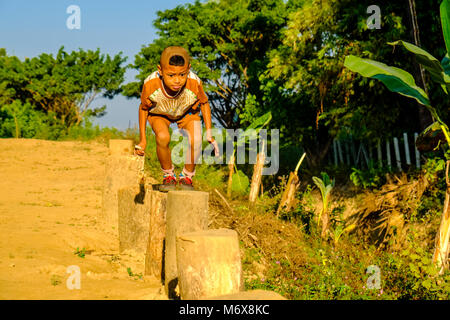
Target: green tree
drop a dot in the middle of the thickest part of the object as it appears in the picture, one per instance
(63, 86)
(228, 41)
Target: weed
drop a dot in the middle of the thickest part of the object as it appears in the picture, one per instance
(55, 280)
(81, 253)
(134, 275)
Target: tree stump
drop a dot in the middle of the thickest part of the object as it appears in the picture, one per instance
(120, 171)
(121, 147)
(154, 257)
(209, 264)
(134, 203)
(257, 176)
(186, 211)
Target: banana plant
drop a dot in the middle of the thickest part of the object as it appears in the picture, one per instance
(402, 82)
(239, 179)
(325, 186)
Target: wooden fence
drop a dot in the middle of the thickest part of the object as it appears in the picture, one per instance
(398, 153)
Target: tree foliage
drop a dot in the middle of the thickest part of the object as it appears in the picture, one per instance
(228, 41)
(63, 86)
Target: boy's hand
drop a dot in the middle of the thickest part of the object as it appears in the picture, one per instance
(211, 140)
(139, 149)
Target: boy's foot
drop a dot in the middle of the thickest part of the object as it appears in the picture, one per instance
(169, 183)
(185, 182)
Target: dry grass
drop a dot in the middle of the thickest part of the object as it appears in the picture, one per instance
(385, 213)
(272, 238)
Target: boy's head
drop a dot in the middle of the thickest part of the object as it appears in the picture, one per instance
(174, 67)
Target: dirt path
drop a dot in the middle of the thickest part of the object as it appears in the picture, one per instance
(50, 200)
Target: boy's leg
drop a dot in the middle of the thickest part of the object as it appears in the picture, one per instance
(192, 127)
(160, 127)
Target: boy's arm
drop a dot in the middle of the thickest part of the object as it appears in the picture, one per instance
(206, 112)
(143, 114)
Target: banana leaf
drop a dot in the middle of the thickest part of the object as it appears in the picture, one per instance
(430, 63)
(240, 182)
(253, 129)
(446, 64)
(395, 79)
(445, 22)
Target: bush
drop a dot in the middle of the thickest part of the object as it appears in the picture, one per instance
(19, 120)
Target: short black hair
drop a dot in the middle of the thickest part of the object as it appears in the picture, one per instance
(176, 60)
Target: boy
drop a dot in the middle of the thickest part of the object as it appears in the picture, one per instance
(174, 94)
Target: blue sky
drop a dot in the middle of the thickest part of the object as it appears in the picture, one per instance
(28, 28)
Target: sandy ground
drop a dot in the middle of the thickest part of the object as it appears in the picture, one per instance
(50, 202)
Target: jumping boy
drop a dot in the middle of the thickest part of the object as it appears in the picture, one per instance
(174, 94)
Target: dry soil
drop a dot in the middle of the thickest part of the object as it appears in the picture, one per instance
(50, 203)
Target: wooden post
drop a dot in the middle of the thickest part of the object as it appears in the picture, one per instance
(209, 264)
(388, 153)
(293, 183)
(364, 153)
(347, 153)
(380, 159)
(154, 256)
(121, 170)
(397, 154)
(134, 217)
(405, 142)
(230, 175)
(121, 147)
(187, 211)
(341, 157)
(257, 175)
(417, 153)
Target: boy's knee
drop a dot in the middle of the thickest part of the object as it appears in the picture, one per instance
(162, 139)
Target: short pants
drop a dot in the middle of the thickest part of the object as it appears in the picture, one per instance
(181, 122)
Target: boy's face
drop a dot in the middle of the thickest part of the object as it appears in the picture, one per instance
(174, 77)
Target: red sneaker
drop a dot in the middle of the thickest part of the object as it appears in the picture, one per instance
(169, 183)
(185, 182)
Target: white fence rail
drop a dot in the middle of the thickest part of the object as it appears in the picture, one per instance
(394, 153)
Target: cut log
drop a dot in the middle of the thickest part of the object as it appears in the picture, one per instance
(186, 211)
(154, 257)
(230, 175)
(209, 264)
(288, 197)
(134, 204)
(120, 171)
(257, 175)
(250, 295)
(121, 147)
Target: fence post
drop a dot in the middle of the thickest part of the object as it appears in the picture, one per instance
(380, 159)
(341, 158)
(397, 154)
(364, 153)
(416, 151)
(405, 141)
(388, 153)
(347, 152)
